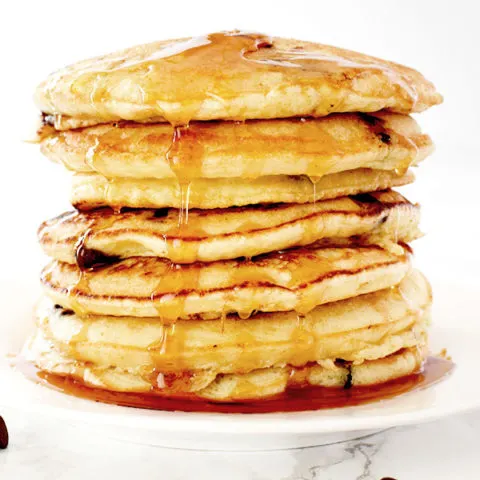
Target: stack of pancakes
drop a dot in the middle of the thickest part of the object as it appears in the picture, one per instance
(235, 233)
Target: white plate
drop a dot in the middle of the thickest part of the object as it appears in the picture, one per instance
(457, 393)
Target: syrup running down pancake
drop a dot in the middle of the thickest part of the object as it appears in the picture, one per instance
(235, 237)
(102, 236)
(127, 353)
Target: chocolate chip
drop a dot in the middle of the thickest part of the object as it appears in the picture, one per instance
(384, 137)
(264, 44)
(160, 213)
(88, 258)
(364, 198)
(348, 381)
(3, 434)
(48, 119)
(63, 311)
(370, 119)
(377, 127)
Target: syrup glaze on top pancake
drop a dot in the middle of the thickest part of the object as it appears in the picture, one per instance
(312, 147)
(229, 76)
(102, 236)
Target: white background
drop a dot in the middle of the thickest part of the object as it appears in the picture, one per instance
(439, 38)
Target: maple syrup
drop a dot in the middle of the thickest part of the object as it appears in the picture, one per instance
(294, 399)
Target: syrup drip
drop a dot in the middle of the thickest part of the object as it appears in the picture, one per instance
(303, 335)
(314, 180)
(171, 345)
(223, 317)
(184, 157)
(171, 305)
(294, 399)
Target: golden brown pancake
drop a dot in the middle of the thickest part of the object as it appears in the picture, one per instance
(297, 279)
(93, 190)
(229, 76)
(366, 327)
(100, 236)
(235, 232)
(312, 147)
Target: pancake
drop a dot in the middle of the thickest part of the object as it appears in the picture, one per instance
(93, 190)
(366, 327)
(254, 385)
(229, 76)
(297, 279)
(312, 147)
(94, 237)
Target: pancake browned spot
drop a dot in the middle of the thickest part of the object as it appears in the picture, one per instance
(383, 218)
(297, 279)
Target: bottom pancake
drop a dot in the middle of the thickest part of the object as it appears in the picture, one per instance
(254, 385)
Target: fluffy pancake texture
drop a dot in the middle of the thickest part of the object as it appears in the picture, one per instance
(297, 279)
(236, 76)
(361, 328)
(94, 190)
(133, 354)
(312, 147)
(87, 238)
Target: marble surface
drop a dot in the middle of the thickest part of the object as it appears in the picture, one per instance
(45, 449)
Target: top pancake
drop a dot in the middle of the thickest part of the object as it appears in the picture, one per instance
(229, 76)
